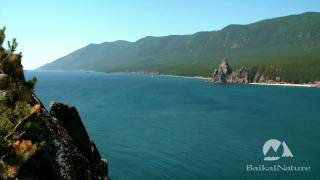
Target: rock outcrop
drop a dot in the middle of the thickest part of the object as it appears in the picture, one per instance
(225, 74)
(64, 156)
(241, 76)
(69, 117)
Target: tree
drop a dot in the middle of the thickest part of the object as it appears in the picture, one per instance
(16, 112)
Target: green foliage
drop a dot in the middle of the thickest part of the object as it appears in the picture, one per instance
(31, 83)
(33, 127)
(16, 113)
(2, 35)
(12, 45)
(291, 43)
(5, 126)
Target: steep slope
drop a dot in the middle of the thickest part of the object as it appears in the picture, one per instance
(291, 42)
(35, 143)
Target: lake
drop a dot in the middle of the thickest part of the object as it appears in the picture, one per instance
(156, 127)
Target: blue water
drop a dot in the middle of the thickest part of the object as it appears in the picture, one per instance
(176, 128)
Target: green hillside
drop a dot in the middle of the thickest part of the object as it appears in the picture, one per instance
(291, 42)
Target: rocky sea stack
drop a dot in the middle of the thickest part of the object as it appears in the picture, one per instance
(36, 143)
(244, 75)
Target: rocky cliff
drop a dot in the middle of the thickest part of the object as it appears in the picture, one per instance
(68, 152)
(36, 143)
(244, 75)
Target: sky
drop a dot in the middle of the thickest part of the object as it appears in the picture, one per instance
(47, 30)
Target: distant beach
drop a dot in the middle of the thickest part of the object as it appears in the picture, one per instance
(261, 84)
(285, 84)
(189, 77)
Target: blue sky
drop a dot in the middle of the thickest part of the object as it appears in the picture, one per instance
(47, 30)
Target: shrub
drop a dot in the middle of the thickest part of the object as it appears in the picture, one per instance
(16, 113)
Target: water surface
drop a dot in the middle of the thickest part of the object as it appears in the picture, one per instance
(177, 128)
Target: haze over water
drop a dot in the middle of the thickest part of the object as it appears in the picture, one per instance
(176, 128)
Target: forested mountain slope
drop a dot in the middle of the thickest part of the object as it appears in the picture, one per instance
(290, 42)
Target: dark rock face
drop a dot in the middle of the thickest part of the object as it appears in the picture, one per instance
(69, 117)
(68, 152)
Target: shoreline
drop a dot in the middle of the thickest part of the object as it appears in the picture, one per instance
(259, 84)
(188, 77)
(286, 84)
(206, 78)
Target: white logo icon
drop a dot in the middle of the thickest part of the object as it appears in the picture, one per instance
(271, 147)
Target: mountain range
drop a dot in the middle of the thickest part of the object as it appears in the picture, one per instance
(290, 42)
